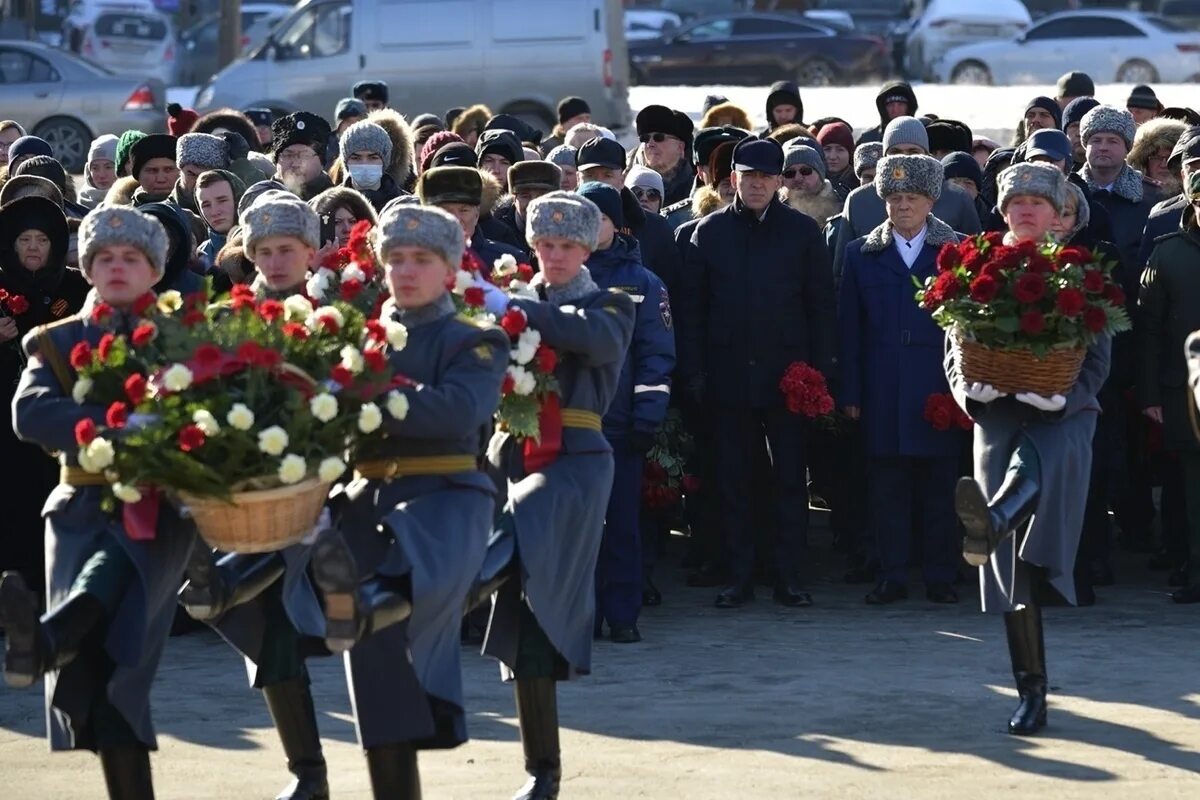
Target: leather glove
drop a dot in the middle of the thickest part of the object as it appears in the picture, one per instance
(983, 393)
(641, 442)
(1055, 403)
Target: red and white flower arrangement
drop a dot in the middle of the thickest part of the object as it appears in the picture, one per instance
(351, 275)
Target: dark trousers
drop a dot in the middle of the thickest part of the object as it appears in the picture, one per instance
(738, 436)
(906, 491)
(619, 567)
(1108, 451)
(1191, 488)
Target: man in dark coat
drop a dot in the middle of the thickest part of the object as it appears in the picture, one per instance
(895, 99)
(757, 297)
(527, 180)
(1167, 215)
(298, 150)
(666, 138)
(784, 106)
(707, 140)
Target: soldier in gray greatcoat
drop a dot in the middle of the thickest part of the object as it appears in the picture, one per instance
(1023, 512)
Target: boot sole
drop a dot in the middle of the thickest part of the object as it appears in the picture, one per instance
(19, 613)
(336, 575)
(972, 509)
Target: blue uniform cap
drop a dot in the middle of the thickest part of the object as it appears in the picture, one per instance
(758, 155)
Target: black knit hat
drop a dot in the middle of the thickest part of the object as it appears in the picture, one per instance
(1143, 96)
(1076, 84)
(949, 135)
(156, 145)
(962, 165)
(1048, 105)
(571, 107)
(713, 100)
(1076, 109)
(523, 130)
(300, 128)
(371, 90)
(455, 154)
(500, 142)
(708, 139)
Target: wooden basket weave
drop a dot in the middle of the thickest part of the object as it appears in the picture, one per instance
(259, 521)
(1013, 371)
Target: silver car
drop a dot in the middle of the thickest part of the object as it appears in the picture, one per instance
(1111, 46)
(69, 101)
(132, 43)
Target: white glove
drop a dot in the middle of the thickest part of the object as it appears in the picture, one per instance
(137, 422)
(983, 393)
(323, 522)
(1054, 403)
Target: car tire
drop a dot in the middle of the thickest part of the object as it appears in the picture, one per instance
(816, 72)
(1137, 71)
(971, 73)
(69, 139)
(533, 114)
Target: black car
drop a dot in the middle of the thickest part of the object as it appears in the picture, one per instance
(753, 49)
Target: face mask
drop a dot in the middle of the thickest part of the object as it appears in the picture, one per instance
(366, 176)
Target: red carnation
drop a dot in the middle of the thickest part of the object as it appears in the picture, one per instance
(190, 438)
(101, 313)
(294, 330)
(1095, 319)
(270, 310)
(3, 295)
(144, 303)
(1005, 257)
(248, 351)
(1029, 288)
(17, 304)
(994, 238)
(267, 358)
(375, 331)
(506, 388)
(1114, 294)
(962, 419)
(328, 323)
(241, 296)
(85, 431)
(375, 360)
(359, 233)
(514, 322)
(1070, 302)
(473, 297)
(341, 375)
(207, 355)
(81, 355)
(105, 346)
(938, 412)
(135, 388)
(546, 359)
(1026, 247)
(117, 415)
(193, 318)
(984, 289)
(1032, 322)
(351, 289)
(1093, 281)
(805, 391)
(690, 484)
(1074, 254)
(195, 300)
(525, 272)
(144, 334)
(1039, 263)
(945, 287)
(654, 472)
(334, 259)
(948, 258)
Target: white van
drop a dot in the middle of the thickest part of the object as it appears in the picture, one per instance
(515, 56)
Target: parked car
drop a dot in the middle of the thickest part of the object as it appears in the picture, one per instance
(323, 47)
(876, 17)
(649, 23)
(199, 44)
(946, 24)
(1185, 13)
(755, 49)
(82, 14)
(69, 101)
(1111, 46)
(132, 43)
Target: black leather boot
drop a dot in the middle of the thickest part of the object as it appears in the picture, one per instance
(215, 586)
(394, 773)
(291, 707)
(127, 773)
(1027, 648)
(988, 523)
(537, 712)
(354, 608)
(34, 646)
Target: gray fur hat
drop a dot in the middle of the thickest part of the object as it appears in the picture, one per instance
(911, 174)
(201, 150)
(801, 155)
(121, 225)
(1108, 119)
(366, 135)
(563, 215)
(273, 215)
(866, 156)
(1034, 179)
(410, 225)
(905, 130)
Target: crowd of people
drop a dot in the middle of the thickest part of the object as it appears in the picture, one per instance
(678, 281)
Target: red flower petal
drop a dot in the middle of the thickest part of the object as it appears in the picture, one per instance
(85, 431)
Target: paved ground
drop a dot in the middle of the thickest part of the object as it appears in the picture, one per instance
(836, 701)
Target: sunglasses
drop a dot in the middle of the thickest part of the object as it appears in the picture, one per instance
(658, 138)
(803, 171)
(644, 194)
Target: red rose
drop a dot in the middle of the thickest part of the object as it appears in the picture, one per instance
(506, 388)
(341, 375)
(193, 318)
(105, 346)
(117, 415)
(351, 289)
(190, 438)
(294, 330)
(1070, 302)
(144, 303)
(1032, 322)
(1029, 288)
(81, 355)
(473, 297)
(17, 304)
(270, 310)
(948, 258)
(101, 313)
(524, 272)
(514, 322)
(1095, 319)
(1114, 294)
(1074, 254)
(85, 432)
(984, 289)
(135, 388)
(144, 334)
(690, 484)
(1093, 281)
(375, 360)
(546, 359)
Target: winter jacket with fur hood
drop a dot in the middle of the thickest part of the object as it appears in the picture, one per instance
(822, 206)
(890, 88)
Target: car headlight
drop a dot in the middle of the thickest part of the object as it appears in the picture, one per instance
(204, 99)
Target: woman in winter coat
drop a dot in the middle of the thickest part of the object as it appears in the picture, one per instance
(37, 289)
(111, 597)
(340, 209)
(1023, 511)
(100, 171)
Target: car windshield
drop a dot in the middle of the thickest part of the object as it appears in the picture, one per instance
(1165, 25)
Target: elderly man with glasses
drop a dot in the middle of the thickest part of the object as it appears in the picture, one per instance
(666, 141)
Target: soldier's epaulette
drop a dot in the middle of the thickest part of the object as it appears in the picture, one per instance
(474, 322)
(34, 334)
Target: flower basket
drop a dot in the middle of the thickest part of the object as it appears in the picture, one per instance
(1018, 370)
(259, 521)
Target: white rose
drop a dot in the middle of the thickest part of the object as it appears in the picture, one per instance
(331, 469)
(206, 422)
(273, 441)
(298, 308)
(126, 494)
(369, 418)
(463, 280)
(504, 263)
(527, 345)
(292, 469)
(169, 302)
(397, 404)
(324, 407)
(80, 390)
(352, 359)
(177, 378)
(100, 454)
(326, 312)
(397, 335)
(353, 272)
(240, 417)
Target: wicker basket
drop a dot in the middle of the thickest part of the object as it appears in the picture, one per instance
(260, 521)
(1013, 371)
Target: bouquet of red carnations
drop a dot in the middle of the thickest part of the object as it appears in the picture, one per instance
(805, 391)
(943, 413)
